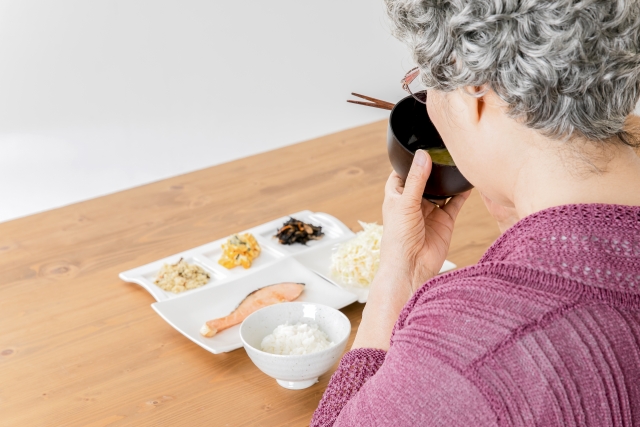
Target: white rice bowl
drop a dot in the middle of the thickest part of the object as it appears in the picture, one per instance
(296, 371)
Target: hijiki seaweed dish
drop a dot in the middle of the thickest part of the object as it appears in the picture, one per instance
(296, 231)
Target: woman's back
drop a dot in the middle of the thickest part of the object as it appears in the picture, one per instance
(544, 330)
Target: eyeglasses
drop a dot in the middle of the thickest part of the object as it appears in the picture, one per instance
(408, 79)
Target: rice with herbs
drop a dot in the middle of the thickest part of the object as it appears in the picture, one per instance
(181, 276)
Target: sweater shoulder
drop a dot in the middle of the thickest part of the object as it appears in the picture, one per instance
(462, 319)
(536, 359)
(466, 321)
(532, 353)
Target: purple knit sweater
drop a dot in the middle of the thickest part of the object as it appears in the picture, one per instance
(543, 331)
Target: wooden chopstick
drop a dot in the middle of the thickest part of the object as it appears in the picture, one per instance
(370, 104)
(374, 100)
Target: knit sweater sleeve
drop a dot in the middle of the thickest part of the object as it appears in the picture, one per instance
(414, 388)
(355, 368)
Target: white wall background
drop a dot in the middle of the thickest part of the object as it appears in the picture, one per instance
(98, 96)
(102, 95)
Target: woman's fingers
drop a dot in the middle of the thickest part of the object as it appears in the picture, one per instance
(394, 184)
(417, 178)
(437, 202)
(454, 204)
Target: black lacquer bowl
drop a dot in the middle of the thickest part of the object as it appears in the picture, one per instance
(409, 122)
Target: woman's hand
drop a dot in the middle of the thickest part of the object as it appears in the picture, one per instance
(415, 242)
(416, 233)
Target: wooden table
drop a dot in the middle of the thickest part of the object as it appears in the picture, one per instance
(79, 347)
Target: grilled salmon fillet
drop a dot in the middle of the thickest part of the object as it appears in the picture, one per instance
(263, 297)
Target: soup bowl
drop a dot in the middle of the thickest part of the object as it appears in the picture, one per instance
(410, 129)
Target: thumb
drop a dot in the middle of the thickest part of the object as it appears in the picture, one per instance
(417, 177)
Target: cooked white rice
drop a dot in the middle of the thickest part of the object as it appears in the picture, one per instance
(301, 338)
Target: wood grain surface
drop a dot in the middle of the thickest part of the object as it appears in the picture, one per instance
(79, 347)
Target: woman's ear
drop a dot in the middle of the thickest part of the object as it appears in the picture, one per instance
(475, 99)
(471, 106)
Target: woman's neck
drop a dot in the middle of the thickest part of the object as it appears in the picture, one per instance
(586, 174)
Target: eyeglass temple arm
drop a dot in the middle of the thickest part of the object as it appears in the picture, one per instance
(410, 76)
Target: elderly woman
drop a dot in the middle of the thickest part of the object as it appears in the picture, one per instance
(531, 99)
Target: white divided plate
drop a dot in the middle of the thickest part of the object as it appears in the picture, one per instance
(319, 261)
(188, 313)
(206, 256)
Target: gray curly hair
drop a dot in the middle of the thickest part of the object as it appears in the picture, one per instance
(565, 67)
